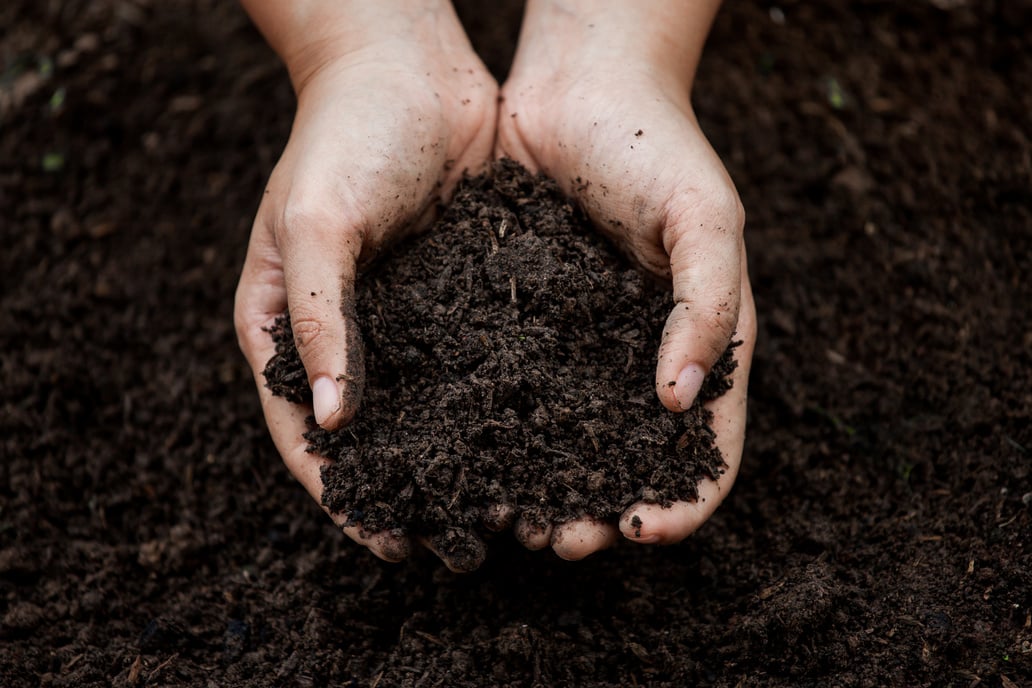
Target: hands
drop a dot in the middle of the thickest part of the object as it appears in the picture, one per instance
(393, 107)
(387, 121)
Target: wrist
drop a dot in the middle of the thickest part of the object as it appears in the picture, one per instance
(310, 34)
(665, 39)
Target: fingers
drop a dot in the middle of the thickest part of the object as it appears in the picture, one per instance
(461, 551)
(319, 263)
(531, 536)
(572, 540)
(653, 524)
(704, 242)
(575, 540)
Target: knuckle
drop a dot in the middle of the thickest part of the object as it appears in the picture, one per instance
(304, 220)
(711, 326)
(311, 334)
(729, 210)
(719, 319)
(301, 216)
(719, 323)
(723, 211)
(717, 209)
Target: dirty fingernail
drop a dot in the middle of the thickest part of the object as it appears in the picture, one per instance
(632, 531)
(325, 399)
(689, 382)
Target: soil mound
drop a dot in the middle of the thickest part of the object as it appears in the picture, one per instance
(510, 360)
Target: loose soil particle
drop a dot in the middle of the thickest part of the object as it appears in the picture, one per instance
(510, 360)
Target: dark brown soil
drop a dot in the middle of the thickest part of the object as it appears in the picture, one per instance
(510, 358)
(879, 534)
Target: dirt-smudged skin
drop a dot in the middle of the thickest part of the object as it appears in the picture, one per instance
(506, 347)
(459, 549)
(353, 379)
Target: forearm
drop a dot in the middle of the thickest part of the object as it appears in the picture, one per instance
(669, 36)
(306, 34)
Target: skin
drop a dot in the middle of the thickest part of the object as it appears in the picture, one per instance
(393, 106)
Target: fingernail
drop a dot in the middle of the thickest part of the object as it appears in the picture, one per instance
(325, 399)
(689, 382)
(635, 533)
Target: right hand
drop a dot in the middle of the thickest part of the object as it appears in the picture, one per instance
(383, 131)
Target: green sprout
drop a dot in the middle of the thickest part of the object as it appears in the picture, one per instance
(836, 95)
(53, 162)
(57, 99)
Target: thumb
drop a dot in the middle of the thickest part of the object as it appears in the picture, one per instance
(705, 250)
(319, 269)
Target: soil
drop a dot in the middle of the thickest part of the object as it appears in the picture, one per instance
(879, 533)
(530, 344)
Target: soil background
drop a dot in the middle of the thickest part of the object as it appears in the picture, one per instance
(880, 533)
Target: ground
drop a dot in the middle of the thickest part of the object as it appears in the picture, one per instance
(880, 532)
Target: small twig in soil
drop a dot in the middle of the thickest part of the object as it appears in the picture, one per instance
(494, 240)
(134, 670)
(161, 666)
(459, 482)
(431, 638)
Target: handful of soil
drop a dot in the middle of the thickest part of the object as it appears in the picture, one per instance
(510, 358)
